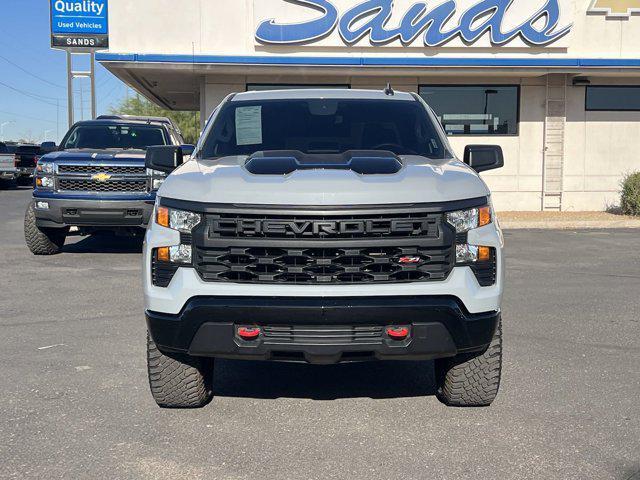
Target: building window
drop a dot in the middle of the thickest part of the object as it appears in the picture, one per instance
(277, 86)
(475, 109)
(613, 99)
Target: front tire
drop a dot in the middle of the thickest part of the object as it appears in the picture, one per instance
(42, 241)
(471, 382)
(179, 381)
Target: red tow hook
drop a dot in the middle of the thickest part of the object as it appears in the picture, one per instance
(248, 333)
(398, 333)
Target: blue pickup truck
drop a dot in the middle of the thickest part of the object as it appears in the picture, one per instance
(96, 180)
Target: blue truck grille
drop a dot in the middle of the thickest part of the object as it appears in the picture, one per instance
(111, 186)
(109, 169)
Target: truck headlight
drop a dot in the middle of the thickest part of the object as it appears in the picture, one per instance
(44, 175)
(176, 254)
(465, 220)
(182, 221)
(45, 168)
(179, 220)
(45, 182)
(157, 178)
(472, 253)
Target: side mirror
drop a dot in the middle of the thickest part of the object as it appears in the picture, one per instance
(484, 157)
(187, 150)
(166, 158)
(48, 147)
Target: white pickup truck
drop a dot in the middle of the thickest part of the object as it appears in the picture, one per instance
(8, 169)
(324, 226)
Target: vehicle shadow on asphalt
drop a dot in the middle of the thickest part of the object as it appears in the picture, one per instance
(103, 243)
(6, 185)
(271, 380)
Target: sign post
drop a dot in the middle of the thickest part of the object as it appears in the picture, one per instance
(80, 27)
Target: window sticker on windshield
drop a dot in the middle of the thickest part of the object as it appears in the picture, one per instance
(249, 125)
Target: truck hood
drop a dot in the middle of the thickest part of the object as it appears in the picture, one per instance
(96, 156)
(420, 180)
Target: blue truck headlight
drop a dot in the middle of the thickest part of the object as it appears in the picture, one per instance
(45, 168)
(44, 175)
(157, 179)
(45, 182)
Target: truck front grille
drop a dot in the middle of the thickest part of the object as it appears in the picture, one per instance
(111, 186)
(109, 169)
(323, 265)
(333, 248)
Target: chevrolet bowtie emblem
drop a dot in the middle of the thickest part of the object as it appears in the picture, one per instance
(615, 8)
(101, 177)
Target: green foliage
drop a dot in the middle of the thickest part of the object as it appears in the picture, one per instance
(631, 194)
(188, 122)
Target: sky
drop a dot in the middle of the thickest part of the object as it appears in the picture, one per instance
(33, 77)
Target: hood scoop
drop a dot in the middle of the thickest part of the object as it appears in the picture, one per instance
(285, 162)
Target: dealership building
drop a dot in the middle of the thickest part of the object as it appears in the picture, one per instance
(556, 83)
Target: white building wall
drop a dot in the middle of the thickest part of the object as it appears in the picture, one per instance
(599, 147)
(227, 27)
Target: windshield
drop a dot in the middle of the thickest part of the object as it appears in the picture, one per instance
(104, 137)
(317, 126)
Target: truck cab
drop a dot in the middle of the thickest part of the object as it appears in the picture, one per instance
(97, 180)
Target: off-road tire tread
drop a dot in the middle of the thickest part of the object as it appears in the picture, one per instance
(178, 381)
(472, 382)
(42, 241)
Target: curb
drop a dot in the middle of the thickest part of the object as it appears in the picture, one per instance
(570, 225)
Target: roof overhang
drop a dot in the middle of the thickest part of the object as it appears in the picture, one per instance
(174, 81)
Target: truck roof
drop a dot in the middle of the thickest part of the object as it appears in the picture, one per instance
(334, 93)
(143, 119)
(116, 120)
(139, 118)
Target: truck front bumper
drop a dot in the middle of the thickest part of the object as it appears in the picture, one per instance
(323, 330)
(9, 174)
(56, 212)
(25, 171)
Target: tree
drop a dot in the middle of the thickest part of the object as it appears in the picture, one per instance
(188, 122)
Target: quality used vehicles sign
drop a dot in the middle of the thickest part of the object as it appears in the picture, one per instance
(79, 23)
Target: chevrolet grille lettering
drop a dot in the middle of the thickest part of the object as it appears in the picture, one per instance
(319, 228)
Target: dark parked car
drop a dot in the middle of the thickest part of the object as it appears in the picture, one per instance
(8, 170)
(25, 160)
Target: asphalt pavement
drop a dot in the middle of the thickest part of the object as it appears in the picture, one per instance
(75, 402)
